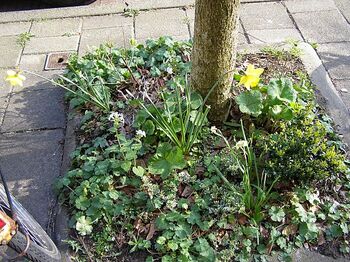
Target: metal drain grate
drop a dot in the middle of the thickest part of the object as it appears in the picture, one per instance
(56, 61)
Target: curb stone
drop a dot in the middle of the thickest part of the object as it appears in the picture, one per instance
(61, 230)
(320, 77)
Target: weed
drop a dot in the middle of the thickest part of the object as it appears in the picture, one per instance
(24, 38)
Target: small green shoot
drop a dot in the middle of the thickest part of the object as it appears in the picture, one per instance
(24, 38)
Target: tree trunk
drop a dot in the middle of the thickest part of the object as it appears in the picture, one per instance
(214, 52)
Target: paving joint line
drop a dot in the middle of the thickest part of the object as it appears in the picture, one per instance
(188, 23)
(81, 26)
(293, 21)
(245, 33)
(31, 130)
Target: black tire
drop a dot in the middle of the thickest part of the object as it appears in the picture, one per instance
(41, 248)
(34, 252)
(66, 2)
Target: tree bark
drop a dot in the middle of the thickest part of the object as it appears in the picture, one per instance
(214, 52)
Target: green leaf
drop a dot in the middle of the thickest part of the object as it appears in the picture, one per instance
(82, 203)
(139, 171)
(173, 245)
(250, 102)
(161, 240)
(148, 127)
(281, 242)
(196, 100)
(83, 225)
(277, 214)
(204, 249)
(335, 231)
(282, 89)
(167, 159)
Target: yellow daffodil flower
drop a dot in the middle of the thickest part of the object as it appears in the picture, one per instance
(15, 78)
(251, 77)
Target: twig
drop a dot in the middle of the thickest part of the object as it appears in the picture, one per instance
(85, 248)
(129, 69)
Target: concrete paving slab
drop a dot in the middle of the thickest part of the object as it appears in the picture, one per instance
(346, 14)
(35, 110)
(92, 38)
(153, 24)
(10, 51)
(258, 16)
(343, 87)
(38, 45)
(33, 62)
(273, 35)
(297, 6)
(31, 163)
(3, 105)
(64, 12)
(336, 59)
(116, 20)
(142, 4)
(323, 26)
(5, 88)
(14, 28)
(34, 82)
(344, 8)
(342, 4)
(56, 27)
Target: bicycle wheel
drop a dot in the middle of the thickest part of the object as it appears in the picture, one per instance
(41, 248)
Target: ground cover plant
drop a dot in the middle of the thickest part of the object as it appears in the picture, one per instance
(153, 180)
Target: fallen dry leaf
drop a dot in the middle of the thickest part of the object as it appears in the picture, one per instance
(151, 231)
(290, 230)
(242, 219)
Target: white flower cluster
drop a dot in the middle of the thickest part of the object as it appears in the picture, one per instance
(242, 144)
(117, 118)
(140, 134)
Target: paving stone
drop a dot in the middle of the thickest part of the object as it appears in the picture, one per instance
(14, 28)
(342, 4)
(154, 24)
(142, 4)
(34, 82)
(3, 104)
(92, 38)
(273, 35)
(56, 27)
(38, 45)
(344, 8)
(4, 91)
(115, 20)
(31, 163)
(341, 86)
(323, 26)
(297, 6)
(35, 109)
(33, 62)
(10, 51)
(5, 88)
(336, 59)
(190, 19)
(258, 16)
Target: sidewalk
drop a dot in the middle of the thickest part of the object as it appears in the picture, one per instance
(33, 119)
